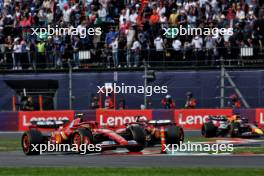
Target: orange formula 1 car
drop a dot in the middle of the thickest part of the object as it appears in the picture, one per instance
(234, 125)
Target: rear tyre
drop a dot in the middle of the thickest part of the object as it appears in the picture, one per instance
(29, 139)
(208, 130)
(175, 135)
(139, 135)
(80, 137)
(234, 130)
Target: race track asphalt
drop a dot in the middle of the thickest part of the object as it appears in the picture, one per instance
(18, 159)
(119, 159)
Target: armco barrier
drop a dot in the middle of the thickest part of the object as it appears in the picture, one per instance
(190, 119)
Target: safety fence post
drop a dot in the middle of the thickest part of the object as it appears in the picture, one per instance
(40, 102)
(162, 139)
(14, 103)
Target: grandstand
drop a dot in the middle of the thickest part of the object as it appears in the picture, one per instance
(136, 26)
(117, 37)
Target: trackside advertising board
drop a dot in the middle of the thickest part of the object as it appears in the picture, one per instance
(260, 117)
(25, 117)
(192, 119)
(118, 118)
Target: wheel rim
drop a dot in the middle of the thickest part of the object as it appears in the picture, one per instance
(86, 140)
(26, 144)
(77, 140)
(203, 131)
(181, 136)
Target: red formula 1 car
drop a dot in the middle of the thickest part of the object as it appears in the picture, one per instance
(78, 133)
(174, 134)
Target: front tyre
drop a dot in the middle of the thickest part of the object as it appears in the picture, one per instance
(175, 135)
(208, 130)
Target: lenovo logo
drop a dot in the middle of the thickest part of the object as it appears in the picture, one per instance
(117, 120)
(192, 120)
(28, 120)
(261, 118)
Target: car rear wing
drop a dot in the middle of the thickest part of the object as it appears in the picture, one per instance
(218, 118)
(160, 122)
(49, 124)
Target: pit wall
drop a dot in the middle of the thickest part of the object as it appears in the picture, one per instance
(189, 119)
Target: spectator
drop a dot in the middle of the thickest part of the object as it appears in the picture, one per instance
(114, 46)
(168, 102)
(130, 37)
(210, 45)
(159, 45)
(173, 20)
(40, 61)
(49, 52)
(2, 45)
(136, 47)
(190, 101)
(95, 104)
(108, 103)
(27, 104)
(197, 43)
(177, 46)
(9, 49)
(57, 47)
(235, 103)
(122, 104)
(67, 12)
(110, 36)
(102, 13)
(147, 18)
(76, 48)
(17, 54)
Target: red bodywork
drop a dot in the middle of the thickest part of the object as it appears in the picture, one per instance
(63, 133)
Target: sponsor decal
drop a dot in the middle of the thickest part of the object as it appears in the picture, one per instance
(193, 119)
(260, 117)
(25, 118)
(118, 118)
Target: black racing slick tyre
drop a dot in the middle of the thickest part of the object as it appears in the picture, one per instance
(234, 129)
(80, 137)
(139, 135)
(174, 135)
(30, 142)
(208, 130)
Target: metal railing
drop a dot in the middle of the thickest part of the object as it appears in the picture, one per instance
(128, 59)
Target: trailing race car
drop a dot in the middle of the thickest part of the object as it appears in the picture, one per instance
(78, 132)
(174, 134)
(234, 125)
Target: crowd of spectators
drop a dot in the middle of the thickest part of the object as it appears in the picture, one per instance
(132, 31)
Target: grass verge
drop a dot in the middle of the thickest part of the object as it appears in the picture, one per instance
(254, 150)
(130, 171)
(9, 144)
